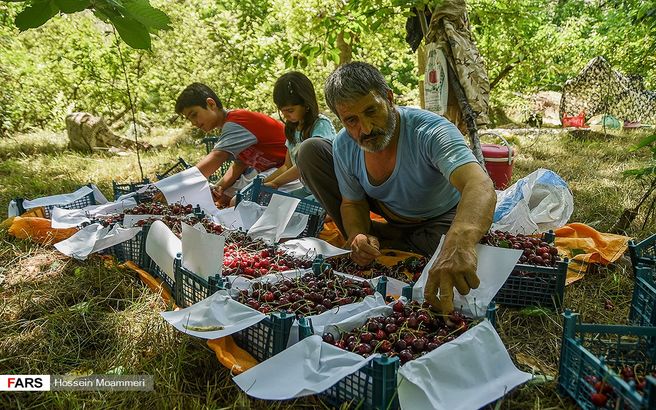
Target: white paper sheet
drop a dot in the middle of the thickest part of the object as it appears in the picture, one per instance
(312, 246)
(188, 187)
(494, 265)
(230, 217)
(163, 246)
(202, 252)
(218, 310)
(98, 196)
(337, 314)
(94, 238)
(69, 218)
(275, 218)
(466, 373)
(61, 199)
(309, 367)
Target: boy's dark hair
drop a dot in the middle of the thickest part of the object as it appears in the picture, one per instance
(196, 94)
(294, 88)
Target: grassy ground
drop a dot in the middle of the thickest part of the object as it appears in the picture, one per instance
(60, 316)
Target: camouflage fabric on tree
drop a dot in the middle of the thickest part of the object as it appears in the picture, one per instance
(598, 89)
(450, 28)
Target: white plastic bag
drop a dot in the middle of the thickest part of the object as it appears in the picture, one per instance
(436, 84)
(534, 204)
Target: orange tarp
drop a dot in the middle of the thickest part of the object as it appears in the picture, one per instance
(584, 245)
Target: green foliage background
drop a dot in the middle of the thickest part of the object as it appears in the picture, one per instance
(240, 47)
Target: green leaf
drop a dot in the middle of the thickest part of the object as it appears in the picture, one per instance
(36, 14)
(577, 251)
(72, 6)
(533, 311)
(644, 142)
(144, 13)
(135, 34)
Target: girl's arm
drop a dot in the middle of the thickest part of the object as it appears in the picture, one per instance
(274, 180)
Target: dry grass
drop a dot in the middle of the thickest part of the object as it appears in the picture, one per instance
(59, 316)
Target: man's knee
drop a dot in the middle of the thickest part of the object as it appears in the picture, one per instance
(313, 151)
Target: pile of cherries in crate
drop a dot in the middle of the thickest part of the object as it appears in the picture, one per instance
(605, 396)
(309, 294)
(536, 251)
(407, 269)
(253, 258)
(411, 331)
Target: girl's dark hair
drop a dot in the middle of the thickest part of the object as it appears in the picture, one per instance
(294, 88)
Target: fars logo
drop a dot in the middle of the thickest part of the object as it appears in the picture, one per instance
(24, 382)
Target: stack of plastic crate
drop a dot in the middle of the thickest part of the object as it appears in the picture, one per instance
(595, 361)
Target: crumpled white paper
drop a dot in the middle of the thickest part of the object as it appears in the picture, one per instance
(163, 246)
(188, 187)
(311, 246)
(337, 314)
(276, 218)
(70, 218)
(94, 238)
(466, 373)
(202, 252)
(218, 310)
(493, 268)
(61, 199)
(309, 367)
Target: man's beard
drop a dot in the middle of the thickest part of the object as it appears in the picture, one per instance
(378, 139)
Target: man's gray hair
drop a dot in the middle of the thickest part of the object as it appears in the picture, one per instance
(352, 81)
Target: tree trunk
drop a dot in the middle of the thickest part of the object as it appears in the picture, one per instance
(87, 133)
(421, 65)
(345, 49)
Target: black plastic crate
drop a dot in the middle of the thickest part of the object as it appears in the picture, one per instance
(87, 200)
(643, 253)
(594, 353)
(191, 288)
(266, 338)
(371, 387)
(179, 166)
(209, 142)
(643, 304)
(128, 187)
(261, 194)
(530, 285)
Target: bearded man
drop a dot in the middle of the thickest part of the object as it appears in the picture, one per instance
(408, 165)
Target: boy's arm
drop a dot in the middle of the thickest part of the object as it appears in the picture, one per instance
(232, 175)
(212, 162)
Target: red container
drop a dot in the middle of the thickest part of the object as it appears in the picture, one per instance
(499, 161)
